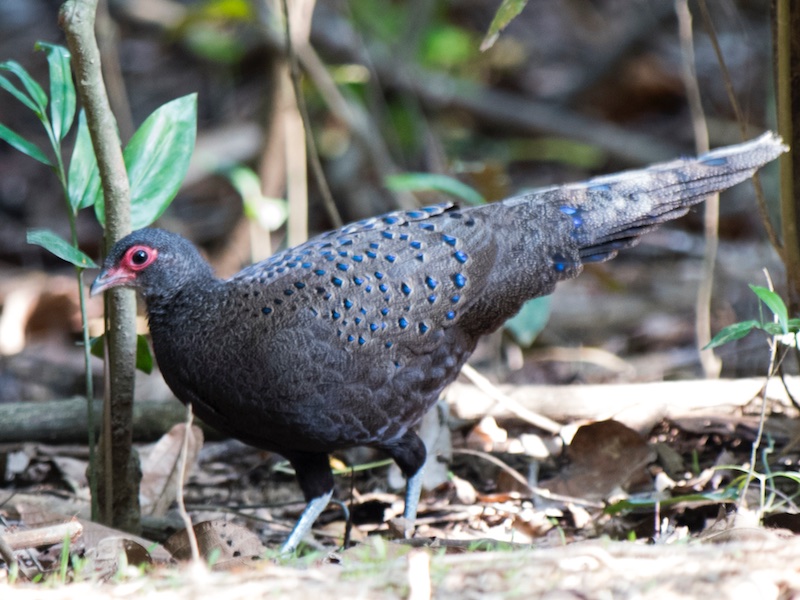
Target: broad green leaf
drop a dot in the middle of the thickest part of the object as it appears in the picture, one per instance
(60, 247)
(35, 91)
(774, 303)
(23, 145)
(62, 90)
(530, 320)
(83, 178)
(157, 158)
(733, 332)
(504, 15)
(426, 182)
(144, 358)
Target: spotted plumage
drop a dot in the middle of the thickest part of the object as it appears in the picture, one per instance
(349, 338)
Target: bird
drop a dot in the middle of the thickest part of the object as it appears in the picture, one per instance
(349, 338)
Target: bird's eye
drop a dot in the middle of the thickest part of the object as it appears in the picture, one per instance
(139, 257)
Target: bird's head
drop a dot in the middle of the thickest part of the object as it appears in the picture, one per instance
(154, 261)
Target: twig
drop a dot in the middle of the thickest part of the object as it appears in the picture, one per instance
(711, 364)
(7, 553)
(187, 520)
(512, 406)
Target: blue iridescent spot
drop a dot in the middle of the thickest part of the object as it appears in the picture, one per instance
(384, 311)
(451, 315)
(371, 254)
(459, 280)
(432, 210)
(714, 161)
(428, 226)
(577, 220)
(383, 287)
(390, 220)
(448, 239)
(335, 314)
(280, 269)
(420, 257)
(330, 257)
(361, 341)
(291, 265)
(342, 266)
(415, 214)
(306, 265)
(378, 275)
(368, 289)
(288, 292)
(415, 244)
(358, 257)
(351, 338)
(404, 236)
(405, 289)
(336, 281)
(423, 328)
(346, 243)
(358, 280)
(460, 256)
(375, 245)
(391, 258)
(568, 210)
(299, 285)
(387, 234)
(320, 272)
(373, 327)
(599, 187)
(432, 298)
(363, 310)
(266, 310)
(357, 320)
(402, 322)
(343, 253)
(348, 303)
(278, 301)
(389, 344)
(431, 282)
(559, 267)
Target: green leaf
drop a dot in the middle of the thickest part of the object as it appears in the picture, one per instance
(530, 320)
(732, 333)
(62, 90)
(157, 158)
(6, 84)
(35, 91)
(144, 358)
(83, 179)
(23, 145)
(774, 303)
(60, 247)
(504, 15)
(426, 182)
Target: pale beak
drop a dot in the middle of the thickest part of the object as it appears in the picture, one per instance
(110, 278)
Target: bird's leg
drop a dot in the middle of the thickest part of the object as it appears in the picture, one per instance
(314, 475)
(409, 453)
(306, 521)
(413, 491)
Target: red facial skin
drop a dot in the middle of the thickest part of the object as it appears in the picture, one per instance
(135, 259)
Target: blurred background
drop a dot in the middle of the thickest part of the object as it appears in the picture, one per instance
(569, 90)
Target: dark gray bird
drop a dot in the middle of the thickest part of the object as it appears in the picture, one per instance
(349, 338)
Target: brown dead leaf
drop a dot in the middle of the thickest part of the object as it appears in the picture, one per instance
(161, 467)
(233, 544)
(604, 456)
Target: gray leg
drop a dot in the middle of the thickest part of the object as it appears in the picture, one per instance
(303, 526)
(413, 490)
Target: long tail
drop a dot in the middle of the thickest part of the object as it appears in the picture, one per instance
(547, 235)
(610, 213)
